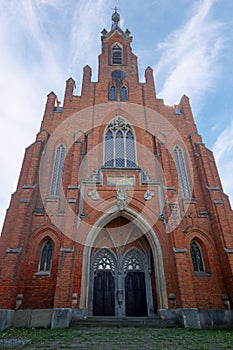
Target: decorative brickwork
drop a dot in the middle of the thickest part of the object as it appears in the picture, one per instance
(152, 188)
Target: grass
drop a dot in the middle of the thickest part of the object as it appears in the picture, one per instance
(116, 338)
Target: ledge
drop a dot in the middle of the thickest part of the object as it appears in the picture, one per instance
(213, 188)
(70, 187)
(71, 200)
(202, 274)
(170, 188)
(29, 187)
(67, 250)
(42, 273)
(179, 250)
(114, 169)
(24, 200)
(14, 250)
(228, 250)
(204, 212)
(218, 201)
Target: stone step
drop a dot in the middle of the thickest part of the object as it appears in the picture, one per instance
(108, 321)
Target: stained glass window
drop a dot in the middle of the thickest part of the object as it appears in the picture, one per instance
(196, 256)
(46, 256)
(124, 95)
(57, 171)
(109, 148)
(119, 144)
(112, 93)
(182, 173)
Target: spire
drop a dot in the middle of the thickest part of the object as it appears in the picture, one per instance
(116, 27)
(115, 18)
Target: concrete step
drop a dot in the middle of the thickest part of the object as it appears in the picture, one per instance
(108, 321)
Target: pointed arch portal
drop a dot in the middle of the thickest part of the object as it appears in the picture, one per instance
(122, 273)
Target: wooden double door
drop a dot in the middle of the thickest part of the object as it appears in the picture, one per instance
(105, 294)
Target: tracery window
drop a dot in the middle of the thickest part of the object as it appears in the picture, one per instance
(119, 144)
(57, 171)
(133, 262)
(196, 255)
(46, 256)
(182, 173)
(117, 54)
(104, 261)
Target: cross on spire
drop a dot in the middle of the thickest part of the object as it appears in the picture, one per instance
(116, 16)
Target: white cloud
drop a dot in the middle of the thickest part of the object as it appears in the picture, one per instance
(88, 17)
(223, 150)
(188, 62)
(38, 57)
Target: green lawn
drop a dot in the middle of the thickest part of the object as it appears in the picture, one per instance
(114, 338)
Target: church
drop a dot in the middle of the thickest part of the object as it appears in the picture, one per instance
(119, 210)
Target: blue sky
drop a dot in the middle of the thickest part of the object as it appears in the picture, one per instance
(188, 43)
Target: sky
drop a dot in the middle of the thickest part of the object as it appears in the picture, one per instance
(188, 43)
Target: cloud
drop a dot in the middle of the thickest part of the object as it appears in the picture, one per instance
(223, 150)
(43, 45)
(29, 69)
(88, 18)
(189, 54)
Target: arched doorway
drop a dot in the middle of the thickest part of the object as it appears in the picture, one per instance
(120, 272)
(99, 238)
(135, 284)
(104, 283)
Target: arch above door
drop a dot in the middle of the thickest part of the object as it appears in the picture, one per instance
(153, 242)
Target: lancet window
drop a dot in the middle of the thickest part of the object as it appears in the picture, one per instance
(119, 144)
(57, 171)
(182, 173)
(196, 256)
(46, 256)
(117, 58)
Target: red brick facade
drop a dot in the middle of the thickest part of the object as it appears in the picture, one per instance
(141, 209)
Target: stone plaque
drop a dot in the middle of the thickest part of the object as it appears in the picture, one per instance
(113, 180)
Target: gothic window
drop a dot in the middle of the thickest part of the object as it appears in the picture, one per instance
(133, 262)
(116, 55)
(57, 171)
(112, 93)
(46, 256)
(182, 173)
(124, 95)
(104, 261)
(119, 144)
(196, 256)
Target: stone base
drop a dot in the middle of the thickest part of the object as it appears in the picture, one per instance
(6, 318)
(61, 318)
(199, 319)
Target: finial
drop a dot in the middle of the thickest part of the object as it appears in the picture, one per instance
(116, 16)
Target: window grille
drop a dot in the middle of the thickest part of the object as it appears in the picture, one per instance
(196, 256)
(104, 261)
(116, 55)
(182, 173)
(46, 256)
(57, 171)
(112, 93)
(119, 144)
(133, 262)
